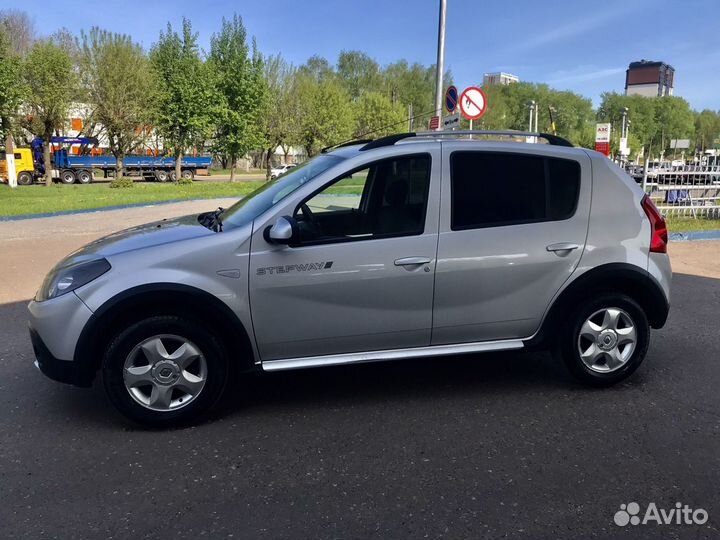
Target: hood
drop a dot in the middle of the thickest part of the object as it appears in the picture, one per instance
(144, 236)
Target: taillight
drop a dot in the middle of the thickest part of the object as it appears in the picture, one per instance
(659, 238)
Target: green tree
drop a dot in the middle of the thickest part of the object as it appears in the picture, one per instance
(358, 73)
(282, 124)
(241, 83)
(377, 116)
(318, 69)
(412, 85)
(12, 92)
(674, 118)
(325, 111)
(51, 82)
(707, 129)
(19, 30)
(119, 83)
(188, 102)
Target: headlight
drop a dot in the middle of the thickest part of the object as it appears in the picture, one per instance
(64, 279)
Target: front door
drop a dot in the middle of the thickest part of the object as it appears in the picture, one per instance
(360, 276)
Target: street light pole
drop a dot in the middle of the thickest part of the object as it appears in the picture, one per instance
(440, 65)
(531, 108)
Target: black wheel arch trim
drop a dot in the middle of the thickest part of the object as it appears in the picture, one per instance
(646, 291)
(88, 352)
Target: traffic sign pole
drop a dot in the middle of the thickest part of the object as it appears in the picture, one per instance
(440, 66)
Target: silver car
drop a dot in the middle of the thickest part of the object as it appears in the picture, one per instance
(408, 246)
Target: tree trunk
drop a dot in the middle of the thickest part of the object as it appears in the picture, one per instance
(178, 162)
(233, 162)
(286, 151)
(268, 165)
(10, 156)
(119, 167)
(46, 161)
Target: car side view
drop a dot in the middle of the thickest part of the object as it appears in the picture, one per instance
(412, 245)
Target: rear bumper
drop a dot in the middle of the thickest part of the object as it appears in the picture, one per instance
(64, 371)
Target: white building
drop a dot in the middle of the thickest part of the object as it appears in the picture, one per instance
(499, 78)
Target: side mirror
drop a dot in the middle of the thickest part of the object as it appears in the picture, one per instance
(284, 231)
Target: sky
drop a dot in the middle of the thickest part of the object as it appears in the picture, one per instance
(583, 46)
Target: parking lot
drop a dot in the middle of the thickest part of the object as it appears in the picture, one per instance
(494, 446)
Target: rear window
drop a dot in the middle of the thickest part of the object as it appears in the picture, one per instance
(495, 189)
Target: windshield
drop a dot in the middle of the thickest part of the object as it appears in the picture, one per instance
(267, 195)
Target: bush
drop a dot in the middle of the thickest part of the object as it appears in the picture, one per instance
(184, 181)
(124, 182)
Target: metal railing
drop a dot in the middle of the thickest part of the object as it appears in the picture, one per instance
(691, 191)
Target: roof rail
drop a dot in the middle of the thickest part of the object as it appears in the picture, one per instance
(387, 141)
(345, 143)
(392, 139)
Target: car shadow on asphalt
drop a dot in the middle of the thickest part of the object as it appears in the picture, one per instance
(374, 384)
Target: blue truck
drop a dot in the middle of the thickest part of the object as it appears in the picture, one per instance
(70, 168)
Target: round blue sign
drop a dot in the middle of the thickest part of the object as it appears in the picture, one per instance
(451, 99)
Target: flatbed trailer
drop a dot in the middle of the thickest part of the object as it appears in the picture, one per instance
(70, 168)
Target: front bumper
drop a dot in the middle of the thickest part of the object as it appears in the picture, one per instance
(55, 328)
(64, 371)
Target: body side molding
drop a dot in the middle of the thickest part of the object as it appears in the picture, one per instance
(391, 354)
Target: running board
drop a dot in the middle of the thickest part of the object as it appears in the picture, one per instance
(390, 354)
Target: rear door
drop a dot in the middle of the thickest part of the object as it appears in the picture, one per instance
(513, 226)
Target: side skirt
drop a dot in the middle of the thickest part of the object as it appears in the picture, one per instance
(390, 354)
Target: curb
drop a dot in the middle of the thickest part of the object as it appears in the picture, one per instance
(693, 236)
(105, 208)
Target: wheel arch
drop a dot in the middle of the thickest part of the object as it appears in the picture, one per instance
(156, 299)
(621, 278)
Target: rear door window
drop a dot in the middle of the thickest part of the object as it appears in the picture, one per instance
(492, 189)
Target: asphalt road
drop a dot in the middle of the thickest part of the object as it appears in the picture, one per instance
(495, 446)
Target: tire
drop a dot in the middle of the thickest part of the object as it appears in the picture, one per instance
(156, 391)
(610, 356)
(162, 175)
(187, 174)
(24, 179)
(67, 177)
(172, 176)
(84, 177)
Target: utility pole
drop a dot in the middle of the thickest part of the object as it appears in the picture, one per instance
(440, 65)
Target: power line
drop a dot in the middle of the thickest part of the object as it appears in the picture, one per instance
(383, 128)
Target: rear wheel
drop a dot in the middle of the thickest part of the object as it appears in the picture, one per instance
(24, 179)
(606, 340)
(165, 370)
(187, 174)
(67, 177)
(84, 177)
(172, 176)
(162, 176)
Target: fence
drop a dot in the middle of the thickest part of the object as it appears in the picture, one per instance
(691, 191)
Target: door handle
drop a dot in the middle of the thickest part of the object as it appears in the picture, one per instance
(562, 246)
(412, 261)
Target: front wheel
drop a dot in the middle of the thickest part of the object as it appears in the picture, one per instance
(165, 370)
(24, 179)
(605, 341)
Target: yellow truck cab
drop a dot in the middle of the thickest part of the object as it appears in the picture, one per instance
(23, 166)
